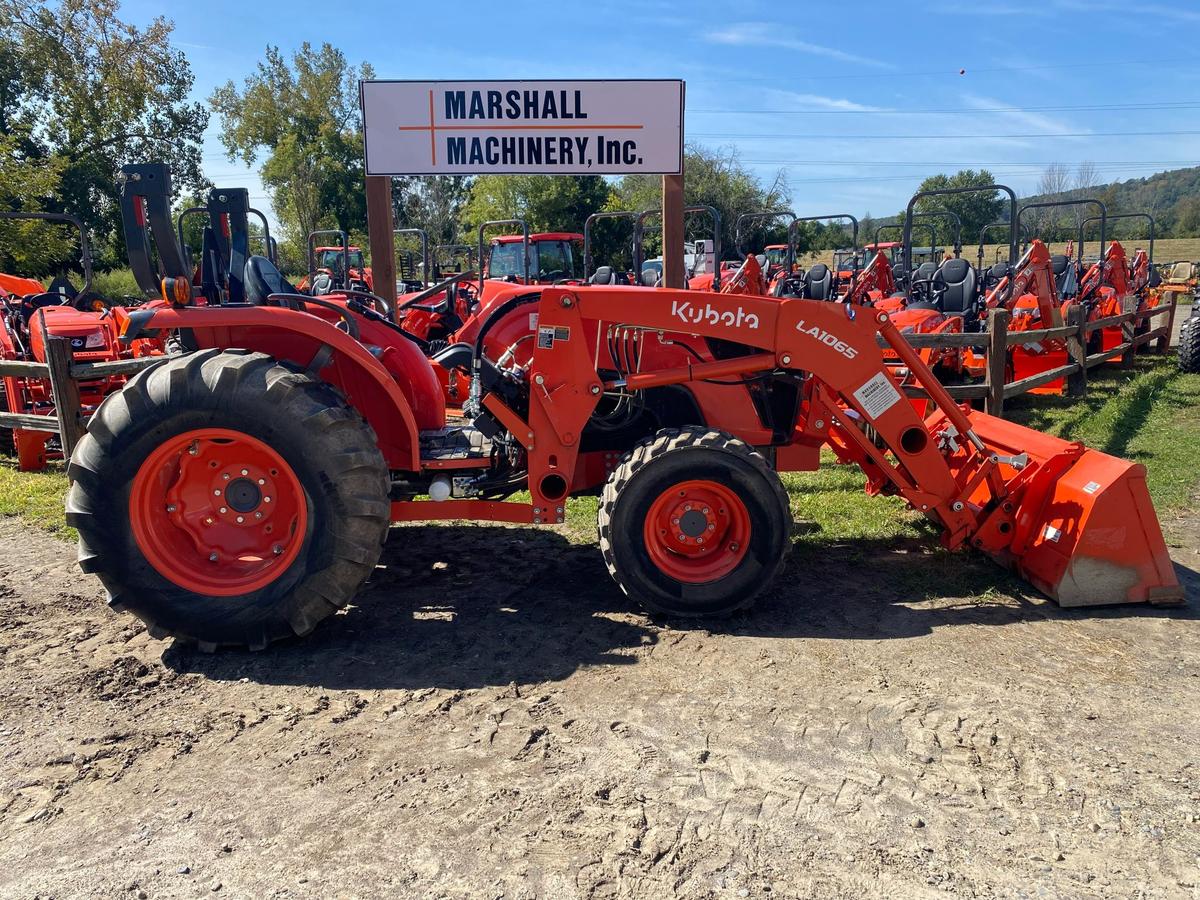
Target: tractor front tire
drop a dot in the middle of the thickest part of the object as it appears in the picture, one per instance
(1189, 344)
(694, 522)
(227, 499)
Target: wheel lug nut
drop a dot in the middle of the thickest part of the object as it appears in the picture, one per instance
(674, 521)
(699, 540)
(171, 507)
(208, 521)
(705, 510)
(223, 510)
(277, 549)
(262, 481)
(258, 515)
(245, 472)
(266, 499)
(240, 520)
(217, 493)
(712, 527)
(212, 557)
(226, 476)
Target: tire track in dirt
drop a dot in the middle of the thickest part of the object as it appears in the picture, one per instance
(497, 720)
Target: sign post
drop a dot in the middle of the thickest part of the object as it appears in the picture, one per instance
(587, 127)
(381, 238)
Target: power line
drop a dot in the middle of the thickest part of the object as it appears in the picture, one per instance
(1169, 105)
(725, 135)
(890, 75)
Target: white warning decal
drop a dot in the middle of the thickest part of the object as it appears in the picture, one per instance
(878, 395)
(1091, 487)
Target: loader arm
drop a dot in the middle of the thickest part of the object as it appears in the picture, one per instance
(1034, 275)
(877, 276)
(999, 487)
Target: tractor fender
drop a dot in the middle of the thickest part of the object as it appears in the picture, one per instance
(316, 345)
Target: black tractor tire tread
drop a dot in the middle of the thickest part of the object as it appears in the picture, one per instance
(354, 480)
(1189, 345)
(667, 441)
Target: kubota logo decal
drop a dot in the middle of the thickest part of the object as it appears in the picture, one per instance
(695, 315)
(829, 340)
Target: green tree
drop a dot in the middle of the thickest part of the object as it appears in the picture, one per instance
(975, 209)
(434, 203)
(546, 203)
(81, 93)
(714, 178)
(304, 120)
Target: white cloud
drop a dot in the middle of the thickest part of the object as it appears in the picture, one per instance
(801, 102)
(1033, 121)
(769, 34)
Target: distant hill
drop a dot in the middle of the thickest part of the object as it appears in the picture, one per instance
(1172, 197)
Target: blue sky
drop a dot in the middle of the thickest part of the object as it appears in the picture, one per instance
(855, 102)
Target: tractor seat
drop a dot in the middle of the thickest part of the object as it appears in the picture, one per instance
(651, 277)
(263, 279)
(959, 277)
(761, 259)
(924, 271)
(818, 282)
(604, 275)
(1065, 280)
(998, 272)
(1059, 263)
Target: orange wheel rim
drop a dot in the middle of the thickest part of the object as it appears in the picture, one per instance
(218, 512)
(697, 531)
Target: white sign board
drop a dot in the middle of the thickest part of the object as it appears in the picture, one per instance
(523, 127)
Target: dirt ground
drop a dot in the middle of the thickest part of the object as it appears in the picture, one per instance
(494, 720)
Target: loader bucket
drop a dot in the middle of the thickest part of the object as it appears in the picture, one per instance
(1082, 527)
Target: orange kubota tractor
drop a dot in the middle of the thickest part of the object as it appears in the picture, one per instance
(27, 321)
(240, 491)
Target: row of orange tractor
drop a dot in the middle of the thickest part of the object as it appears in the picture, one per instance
(239, 489)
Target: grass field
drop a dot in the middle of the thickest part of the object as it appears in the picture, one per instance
(1150, 413)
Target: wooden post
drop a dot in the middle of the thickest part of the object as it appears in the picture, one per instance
(381, 238)
(672, 231)
(997, 360)
(1077, 350)
(1164, 341)
(1128, 330)
(65, 391)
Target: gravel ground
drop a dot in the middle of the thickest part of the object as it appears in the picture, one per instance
(493, 720)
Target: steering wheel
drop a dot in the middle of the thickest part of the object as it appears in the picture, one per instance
(33, 302)
(553, 275)
(930, 287)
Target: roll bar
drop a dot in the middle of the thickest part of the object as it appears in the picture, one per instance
(269, 245)
(928, 226)
(944, 192)
(524, 244)
(794, 229)
(85, 251)
(587, 233)
(1149, 218)
(426, 260)
(1087, 201)
(954, 220)
(983, 234)
(712, 212)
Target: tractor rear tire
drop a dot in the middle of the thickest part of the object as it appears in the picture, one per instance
(141, 498)
(1189, 344)
(694, 522)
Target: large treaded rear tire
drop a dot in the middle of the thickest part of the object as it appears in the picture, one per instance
(687, 455)
(1189, 344)
(332, 451)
